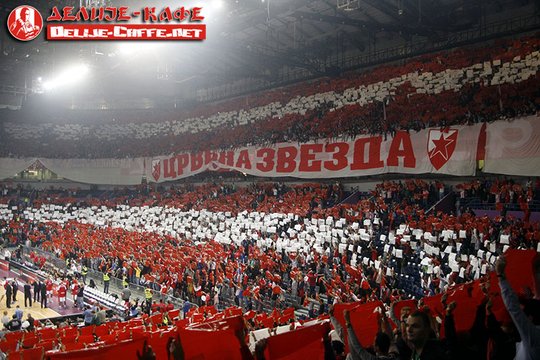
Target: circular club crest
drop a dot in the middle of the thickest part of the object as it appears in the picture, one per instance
(25, 23)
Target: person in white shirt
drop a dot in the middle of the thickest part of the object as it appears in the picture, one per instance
(5, 319)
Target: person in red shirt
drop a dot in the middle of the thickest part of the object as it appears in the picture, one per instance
(62, 292)
(163, 291)
(312, 280)
(74, 290)
(49, 287)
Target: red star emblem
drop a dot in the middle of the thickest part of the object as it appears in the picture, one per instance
(441, 146)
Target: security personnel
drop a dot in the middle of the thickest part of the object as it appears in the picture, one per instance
(106, 281)
(84, 272)
(148, 296)
(137, 275)
(125, 281)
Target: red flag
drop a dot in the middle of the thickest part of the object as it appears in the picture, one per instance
(303, 343)
(159, 340)
(363, 320)
(519, 269)
(201, 344)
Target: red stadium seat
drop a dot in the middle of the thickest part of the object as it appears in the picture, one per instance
(86, 339)
(29, 340)
(36, 353)
(47, 333)
(124, 335)
(87, 330)
(101, 330)
(70, 331)
(47, 345)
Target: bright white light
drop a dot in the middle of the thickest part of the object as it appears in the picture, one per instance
(217, 4)
(69, 76)
(39, 79)
(126, 48)
(130, 48)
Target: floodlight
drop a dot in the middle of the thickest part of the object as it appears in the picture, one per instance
(69, 76)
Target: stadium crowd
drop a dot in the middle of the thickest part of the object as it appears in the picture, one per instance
(498, 82)
(269, 248)
(278, 270)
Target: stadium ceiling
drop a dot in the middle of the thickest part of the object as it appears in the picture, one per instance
(256, 44)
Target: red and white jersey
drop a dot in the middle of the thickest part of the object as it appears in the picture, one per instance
(62, 291)
(74, 289)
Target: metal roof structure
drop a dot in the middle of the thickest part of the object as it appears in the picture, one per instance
(257, 44)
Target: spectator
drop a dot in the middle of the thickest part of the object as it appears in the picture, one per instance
(31, 321)
(14, 324)
(18, 313)
(526, 320)
(5, 319)
(422, 338)
(89, 316)
(382, 344)
(126, 293)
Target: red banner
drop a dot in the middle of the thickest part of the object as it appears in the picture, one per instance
(303, 343)
(443, 151)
